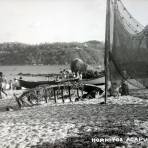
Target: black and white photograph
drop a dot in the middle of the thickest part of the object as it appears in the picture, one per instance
(73, 73)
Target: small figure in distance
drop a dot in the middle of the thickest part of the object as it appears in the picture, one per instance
(1, 88)
(124, 89)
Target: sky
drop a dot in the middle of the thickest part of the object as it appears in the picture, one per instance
(40, 21)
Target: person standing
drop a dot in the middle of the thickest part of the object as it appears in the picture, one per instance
(124, 90)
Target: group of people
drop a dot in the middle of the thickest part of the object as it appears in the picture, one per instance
(67, 74)
(7, 84)
(114, 89)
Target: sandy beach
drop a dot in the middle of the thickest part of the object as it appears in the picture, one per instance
(76, 124)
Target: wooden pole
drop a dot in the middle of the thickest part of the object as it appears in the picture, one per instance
(69, 93)
(45, 96)
(107, 48)
(54, 92)
(62, 94)
(57, 94)
(78, 92)
(82, 90)
(114, 27)
(49, 93)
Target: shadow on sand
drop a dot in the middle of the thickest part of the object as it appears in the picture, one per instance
(84, 140)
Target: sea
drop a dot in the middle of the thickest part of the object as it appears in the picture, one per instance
(12, 72)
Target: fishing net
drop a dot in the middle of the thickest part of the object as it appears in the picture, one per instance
(128, 50)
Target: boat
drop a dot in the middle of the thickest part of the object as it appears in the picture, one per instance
(33, 84)
(95, 81)
(89, 88)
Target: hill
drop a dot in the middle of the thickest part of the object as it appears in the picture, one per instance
(13, 53)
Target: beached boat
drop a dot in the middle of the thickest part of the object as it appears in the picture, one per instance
(96, 81)
(89, 88)
(33, 84)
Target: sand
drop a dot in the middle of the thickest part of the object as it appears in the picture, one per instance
(74, 124)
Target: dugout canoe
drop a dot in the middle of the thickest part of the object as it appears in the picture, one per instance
(96, 81)
(33, 84)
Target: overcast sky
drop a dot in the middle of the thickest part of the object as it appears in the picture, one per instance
(38, 21)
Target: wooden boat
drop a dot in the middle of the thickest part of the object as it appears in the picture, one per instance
(89, 88)
(33, 84)
(96, 81)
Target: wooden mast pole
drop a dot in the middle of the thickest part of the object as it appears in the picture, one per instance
(107, 48)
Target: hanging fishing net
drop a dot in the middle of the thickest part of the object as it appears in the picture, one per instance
(128, 50)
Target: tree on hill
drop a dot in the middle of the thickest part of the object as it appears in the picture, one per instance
(91, 52)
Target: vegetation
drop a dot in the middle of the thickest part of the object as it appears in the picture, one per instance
(56, 53)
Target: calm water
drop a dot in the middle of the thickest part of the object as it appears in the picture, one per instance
(11, 72)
